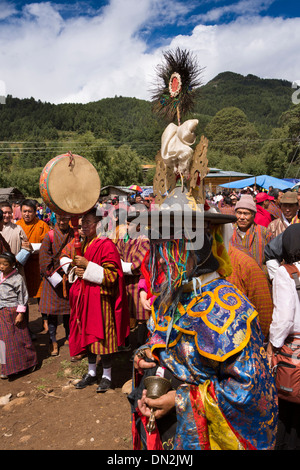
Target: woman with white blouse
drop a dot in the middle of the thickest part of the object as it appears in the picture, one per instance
(286, 322)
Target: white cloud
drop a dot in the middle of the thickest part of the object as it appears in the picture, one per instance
(86, 58)
(243, 7)
(6, 10)
(266, 47)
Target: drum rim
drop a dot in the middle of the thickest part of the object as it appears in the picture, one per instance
(52, 163)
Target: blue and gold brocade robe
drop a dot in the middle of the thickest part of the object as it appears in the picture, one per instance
(228, 399)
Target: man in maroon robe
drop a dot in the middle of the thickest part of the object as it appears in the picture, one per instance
(99, 320)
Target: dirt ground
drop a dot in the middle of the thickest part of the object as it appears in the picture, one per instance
(46, 412)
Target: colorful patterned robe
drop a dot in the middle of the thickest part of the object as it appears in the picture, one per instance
(227, 399)
(35, 232)
(253, 243)
(274, 210)
(54, 301)
(251, 280)
(134, 251)
(225, 208)
(277, 226)
(296, 219)
(69, 250)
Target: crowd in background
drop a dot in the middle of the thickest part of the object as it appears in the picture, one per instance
(262, 216)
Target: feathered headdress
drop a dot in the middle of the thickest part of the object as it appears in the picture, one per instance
(181, 209)
(178, 87)
(175, 95)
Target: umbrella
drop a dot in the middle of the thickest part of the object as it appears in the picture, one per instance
(147, 192)
(135, 187)
(263, 181)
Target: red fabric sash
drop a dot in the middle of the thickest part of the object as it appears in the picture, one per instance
(153, 440)
(86, 322)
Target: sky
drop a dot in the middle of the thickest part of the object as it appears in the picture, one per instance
(78, 52)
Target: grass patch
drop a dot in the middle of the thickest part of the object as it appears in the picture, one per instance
(77, 369)
(43, 385)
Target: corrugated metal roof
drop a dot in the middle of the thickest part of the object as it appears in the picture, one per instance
(118, 188)
(9, 190)
(215, 172)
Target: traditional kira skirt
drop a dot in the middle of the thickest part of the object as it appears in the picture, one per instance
(17, 352)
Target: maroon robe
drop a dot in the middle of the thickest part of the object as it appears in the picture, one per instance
(54, 301)
(86, 321)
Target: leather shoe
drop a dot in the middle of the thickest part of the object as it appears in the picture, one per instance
(86, 380)
(77, 358)
(104, 385)
(125, 348)
(53, 349)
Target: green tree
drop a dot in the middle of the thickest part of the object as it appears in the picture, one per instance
(230, 163)
(26, 180)
(124, 167)
(214, 156)
(33, 154)
(254, 165)
(275, 152)
(149, 177)
(231, 133)
(6, 157)
(291, 118)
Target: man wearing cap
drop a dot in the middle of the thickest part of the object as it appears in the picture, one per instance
(263, 216)
(247, 235)
(289, 207)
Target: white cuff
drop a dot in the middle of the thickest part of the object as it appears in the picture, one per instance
(272, 266)
(36, 247)
(63, 261)
(94, 273)
(72, 277)
(126, 267)
(55, 279)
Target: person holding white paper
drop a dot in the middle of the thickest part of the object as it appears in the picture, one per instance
(54, 296)
(35, 230)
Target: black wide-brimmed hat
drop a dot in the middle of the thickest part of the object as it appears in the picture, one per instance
(179, 216)
(177, 206)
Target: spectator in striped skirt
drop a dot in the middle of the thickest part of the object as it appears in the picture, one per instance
(17, 352)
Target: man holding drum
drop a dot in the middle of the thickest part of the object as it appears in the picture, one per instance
(99, 320)
(54, 296)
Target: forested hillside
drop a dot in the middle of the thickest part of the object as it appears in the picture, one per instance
(251, 123)
(262, 100)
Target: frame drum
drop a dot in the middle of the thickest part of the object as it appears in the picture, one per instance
(69, 184)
